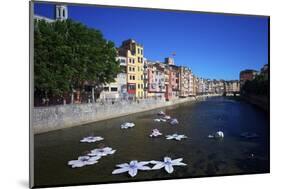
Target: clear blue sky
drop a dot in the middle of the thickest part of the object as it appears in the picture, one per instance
(214, 46)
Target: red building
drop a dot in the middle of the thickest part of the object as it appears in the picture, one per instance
(247, 75)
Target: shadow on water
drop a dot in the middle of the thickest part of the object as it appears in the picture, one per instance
(204, 156)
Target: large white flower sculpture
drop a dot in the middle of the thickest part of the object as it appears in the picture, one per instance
(155, 133)
(131, 167)
(84, 160)
(174, 121)
(175, 137)
(90, 139)
(168, 164)
(101, 152)
(127, 125)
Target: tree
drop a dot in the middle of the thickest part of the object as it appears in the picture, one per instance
(67, 54)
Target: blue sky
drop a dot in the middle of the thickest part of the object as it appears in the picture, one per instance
(214, 46)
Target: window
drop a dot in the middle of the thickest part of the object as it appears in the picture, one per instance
(131, 87)
(113, 89)
(122, 60)
(141, 77)
(133, 77)
(138, 86)
(133, 61)
(133, 69)
(130, 60)
(106, 88)
(130, 69)
(138, 50)
(141, 60)
(141, 51)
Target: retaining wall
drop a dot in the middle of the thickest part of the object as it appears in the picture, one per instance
(46, 119)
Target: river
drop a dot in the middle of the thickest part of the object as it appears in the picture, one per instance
(204, 156)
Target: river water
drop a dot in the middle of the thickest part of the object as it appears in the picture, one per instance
(204, 156)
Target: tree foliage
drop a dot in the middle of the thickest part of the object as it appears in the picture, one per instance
(67, 54)
(258, 86)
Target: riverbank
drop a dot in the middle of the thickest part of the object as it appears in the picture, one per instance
(261, 102)
(51, 118)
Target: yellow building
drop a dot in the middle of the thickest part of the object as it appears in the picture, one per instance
(135, 61)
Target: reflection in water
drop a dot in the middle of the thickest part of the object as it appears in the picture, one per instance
(204, 157)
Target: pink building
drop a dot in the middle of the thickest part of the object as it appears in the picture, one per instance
(155, 80)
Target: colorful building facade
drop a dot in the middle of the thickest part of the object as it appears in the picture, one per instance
(135, 67)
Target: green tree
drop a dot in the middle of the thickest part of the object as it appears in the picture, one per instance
(67, 54)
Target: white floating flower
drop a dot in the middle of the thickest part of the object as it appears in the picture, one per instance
(211, 136)
(160, 120)
(175, 137)
(127, 125)
(157, 120)
(155, 133)
(163, 120)
(131, 167)
(167, 117)
(102, 152)
(161, 113)
(168, 164)
(219, 134)
(174, 121)
(90, 139)
(83, 160)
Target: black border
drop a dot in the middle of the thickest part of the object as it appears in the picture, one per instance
(31, 30)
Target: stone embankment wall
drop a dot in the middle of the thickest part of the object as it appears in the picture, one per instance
(46, 119)
(259, 101)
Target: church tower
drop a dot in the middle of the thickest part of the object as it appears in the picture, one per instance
(61, 12)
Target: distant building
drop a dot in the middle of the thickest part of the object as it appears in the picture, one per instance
(232, 86)
(247, 75)
(172, 74)
(118, 89)
(184, 81)
(60, 12)
(264, 71)
(155, 82)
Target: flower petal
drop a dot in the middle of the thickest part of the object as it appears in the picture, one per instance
(144, 168)
(158, 166)
(123, 165)
(121, 170)
(177, 160)
(72, 162)
(78, 164)
(112, 152)
(167, 159)
(141, 163)
(91, 162)
(94, 158)
(169, 168)
(133, 172)
(179, 164)
(155, 162)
